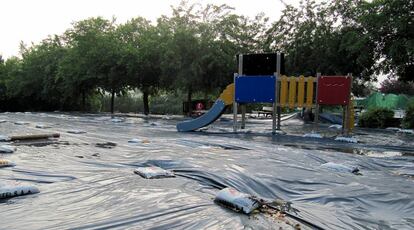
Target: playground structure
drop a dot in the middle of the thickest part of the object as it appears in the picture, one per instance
(260, 80)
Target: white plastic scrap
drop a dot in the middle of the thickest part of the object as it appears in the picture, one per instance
(347, 139)
(21, 123)
(7, 191)
(240, 202)
(42, 126)
(6, 163)
(153, 172)
(393, 129)
(313, 135)
(166, 117)
(340, 167)
(4, 138)
(336, 126)
(134, 141)
(406, 131)
(2, 121)
(116, 120)
(7, 149)
(75, 131)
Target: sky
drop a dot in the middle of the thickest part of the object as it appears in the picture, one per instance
(33, 20)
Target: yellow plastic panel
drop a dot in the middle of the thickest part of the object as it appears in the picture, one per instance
(309, 93)
(301, 91)
(351, 116)
(283, 90)
(292, 92)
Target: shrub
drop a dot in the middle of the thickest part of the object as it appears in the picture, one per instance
(376, 118)
(408, 121)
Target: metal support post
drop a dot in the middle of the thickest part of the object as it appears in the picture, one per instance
(344, 119)
(274, 109)
(278, 74)
(348, 114)
(243, 118)
(234, 106)
(316, 119)
(240, 73)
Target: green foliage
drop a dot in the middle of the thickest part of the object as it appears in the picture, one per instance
(397, 87)
(165, 103)
(390, 24)
(408, 121)
(323, 37)
(376, 118)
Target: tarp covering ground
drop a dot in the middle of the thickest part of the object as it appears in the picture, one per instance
(88, 186)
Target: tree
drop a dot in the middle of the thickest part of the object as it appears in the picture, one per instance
(2, 83)
(323, 38)
(196, 58)
(143, 52)
(11, 70)
(397, 87)
(91, 60)
(390, 24)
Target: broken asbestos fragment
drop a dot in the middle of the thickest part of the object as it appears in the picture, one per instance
(233, 199)
(153, 172)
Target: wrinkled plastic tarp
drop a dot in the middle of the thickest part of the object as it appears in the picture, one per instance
(86, 187)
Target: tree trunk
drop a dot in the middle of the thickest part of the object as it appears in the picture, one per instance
(146, 103)
(83, 100)
(190, 108)
(112, 101)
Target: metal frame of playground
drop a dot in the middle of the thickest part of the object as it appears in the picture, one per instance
(283, 91)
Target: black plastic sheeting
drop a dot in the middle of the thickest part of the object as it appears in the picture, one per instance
(83, 186)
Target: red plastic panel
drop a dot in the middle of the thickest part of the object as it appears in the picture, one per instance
(334, 90)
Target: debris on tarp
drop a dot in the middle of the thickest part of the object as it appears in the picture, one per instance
(346, 139)
(393, 129)
(106, 145)
(313, 135)
(134, 141)
(4, 138)
(34, 136)
(340, 168)
(278, 210)
(117, 120)
(166, 117)
(237, 201)
(21, 123)
(9, 190)
(42, 126)
(406, 131)
(153, 172)
(138, 141)
(76, 131)
(3, 121)
(6, 163)
(7, 149)
(336, 126)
